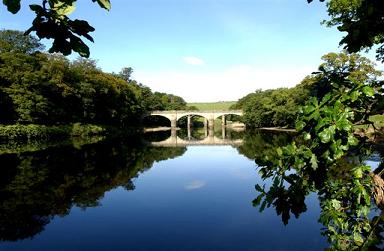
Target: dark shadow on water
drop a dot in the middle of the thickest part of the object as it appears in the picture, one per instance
(157, 136)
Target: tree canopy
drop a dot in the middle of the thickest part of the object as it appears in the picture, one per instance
(52, 22)
(49, 89)
(16, 41)
(363, 20)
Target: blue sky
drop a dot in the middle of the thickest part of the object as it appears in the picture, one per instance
(205, 50)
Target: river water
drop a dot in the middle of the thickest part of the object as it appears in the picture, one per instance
(131, 195)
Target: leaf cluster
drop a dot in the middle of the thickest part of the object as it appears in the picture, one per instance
(362, 20)
(52, 22)
(326, 156)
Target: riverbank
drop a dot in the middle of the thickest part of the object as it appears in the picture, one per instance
(44, 132)
(276, 129)
(31, 138)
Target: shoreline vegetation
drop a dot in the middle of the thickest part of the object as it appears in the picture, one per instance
(32, 137)
(54, 132)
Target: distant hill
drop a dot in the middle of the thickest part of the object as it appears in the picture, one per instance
(221, 105)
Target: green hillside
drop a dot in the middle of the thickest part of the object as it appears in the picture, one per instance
(221, 105)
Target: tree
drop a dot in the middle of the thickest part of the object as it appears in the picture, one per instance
(16, 41)
(363, 20)
(126, 73)
(273, 108)
(52, 22)
(48, 89)
(328, 157)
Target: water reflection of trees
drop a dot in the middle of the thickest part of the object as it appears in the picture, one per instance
(258, 143)
(37, 186)
(343, 190)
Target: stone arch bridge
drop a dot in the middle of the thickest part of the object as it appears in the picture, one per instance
(209, 116)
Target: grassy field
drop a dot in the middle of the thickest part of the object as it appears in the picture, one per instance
(222, 105)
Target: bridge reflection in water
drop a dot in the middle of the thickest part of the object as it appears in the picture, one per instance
(210, 139)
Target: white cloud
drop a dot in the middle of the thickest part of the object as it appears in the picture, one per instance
(195, 184)
(193, 60)
(227, 85)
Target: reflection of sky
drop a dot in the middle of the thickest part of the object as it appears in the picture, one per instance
(195, 184)
(163, 214)
(373, 161)
(372, 164)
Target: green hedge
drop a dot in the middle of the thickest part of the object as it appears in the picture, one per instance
(43, 132)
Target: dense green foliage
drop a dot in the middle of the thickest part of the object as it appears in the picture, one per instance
(46, 89)
(327, 156)
(16, 41)
(273, 108)
(52, 22)
(27, 132)
(23, 133)
(343, 189)
(49, 89)
(281, 107)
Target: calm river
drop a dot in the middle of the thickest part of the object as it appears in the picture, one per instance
(133, 195)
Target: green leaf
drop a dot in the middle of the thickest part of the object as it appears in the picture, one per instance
(257, 201)
(314, 162)
(358, 173)
(308, 109)
(357, 238)
(352, 140)
(106, 4)
(355, 95)
(79, 46)
(366, 196)
(300, 125)
(279, 151)
(290, 149)
(13, 6)
(259, 188)
(369, 91)
(262, 207)
(307, 136)
(326, 135)
(326, 98)
(336, 204)
(36, 8)
(63, 8)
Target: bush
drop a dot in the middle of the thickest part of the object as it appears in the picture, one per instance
(27, 132)
(79, 130)
(42, 132)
